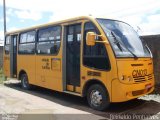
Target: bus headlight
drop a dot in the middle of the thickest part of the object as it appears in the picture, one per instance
(123, 77)
(126, 78)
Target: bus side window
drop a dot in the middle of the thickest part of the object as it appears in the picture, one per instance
(7, 44)
(49, 40)
(95, 56)
(27, 43)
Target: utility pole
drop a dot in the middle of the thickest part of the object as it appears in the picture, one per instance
(4, 16)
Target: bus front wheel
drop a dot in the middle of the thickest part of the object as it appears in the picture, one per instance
(97, 97)
(24, 82)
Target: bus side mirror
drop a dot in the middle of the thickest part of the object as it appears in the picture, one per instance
(90, 39)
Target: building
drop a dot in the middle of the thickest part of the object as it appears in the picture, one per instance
(153, 42)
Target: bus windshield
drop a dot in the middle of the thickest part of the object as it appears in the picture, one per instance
(124, 40)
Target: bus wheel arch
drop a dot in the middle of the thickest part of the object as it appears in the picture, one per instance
(24, 80)
(90, 83)
(97, 95)
(21, 73)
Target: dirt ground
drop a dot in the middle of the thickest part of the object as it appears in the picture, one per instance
(44, 104)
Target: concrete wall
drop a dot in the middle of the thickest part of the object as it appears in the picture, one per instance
(153, 41)
(1, 55)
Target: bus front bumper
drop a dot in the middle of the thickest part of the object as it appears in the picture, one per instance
(123, 92)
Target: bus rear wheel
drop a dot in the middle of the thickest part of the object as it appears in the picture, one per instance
(24, 82)
(97, 97)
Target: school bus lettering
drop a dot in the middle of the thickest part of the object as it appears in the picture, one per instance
(6, 58)
(91, 73)
(46, 64)
(56, 64)
(139, 73)
(85, 56)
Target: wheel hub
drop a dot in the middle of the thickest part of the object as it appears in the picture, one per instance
(25, 82)
(96, 98)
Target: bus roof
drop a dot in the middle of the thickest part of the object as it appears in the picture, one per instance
(52, 23)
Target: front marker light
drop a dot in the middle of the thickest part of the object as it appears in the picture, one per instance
(129, 78)
(122, 78)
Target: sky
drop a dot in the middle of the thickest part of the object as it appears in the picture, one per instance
(142, 15)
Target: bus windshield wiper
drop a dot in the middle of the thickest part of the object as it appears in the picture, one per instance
(145, 44)
(119, 44)
(116, 41)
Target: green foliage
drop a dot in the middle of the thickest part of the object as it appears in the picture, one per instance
(2, 78)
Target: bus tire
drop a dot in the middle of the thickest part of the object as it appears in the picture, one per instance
(98, 97)
(24, 82)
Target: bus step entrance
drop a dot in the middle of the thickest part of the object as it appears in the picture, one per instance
(72, 93)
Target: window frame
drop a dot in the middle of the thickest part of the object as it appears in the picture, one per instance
(37, 40)
(19, 41)
(7, 52)
(34, 42)
(84, 39)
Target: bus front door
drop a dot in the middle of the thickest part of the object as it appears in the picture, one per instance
(73, 39)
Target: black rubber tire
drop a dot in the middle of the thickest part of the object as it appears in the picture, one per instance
(24, 82)
(105, 102)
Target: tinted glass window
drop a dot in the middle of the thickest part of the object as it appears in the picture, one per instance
(27, 43)
(49, 40)
(95, 56)
(27, 48)
(7, 44)
(8, 40)
(23, 38)
(124, 40)
(49, 34)
(27, 37)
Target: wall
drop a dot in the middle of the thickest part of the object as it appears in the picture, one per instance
(153, 41)
(1, 55)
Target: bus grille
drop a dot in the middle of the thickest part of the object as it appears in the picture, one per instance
(140, 92)
(143, 78)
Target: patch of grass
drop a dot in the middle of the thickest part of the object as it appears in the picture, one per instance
(2, 78)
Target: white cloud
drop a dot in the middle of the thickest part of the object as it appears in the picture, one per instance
(1, 35)
(129, 11)
(96, 7)
(150, 28)
(12, 29)
(1, 43)
(10, 12)
(154, 18)
(1, 19)
(22, 20)
(28, 15)
(148, 25)
(7, 19)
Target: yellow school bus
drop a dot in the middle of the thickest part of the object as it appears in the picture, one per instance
(101, 59)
